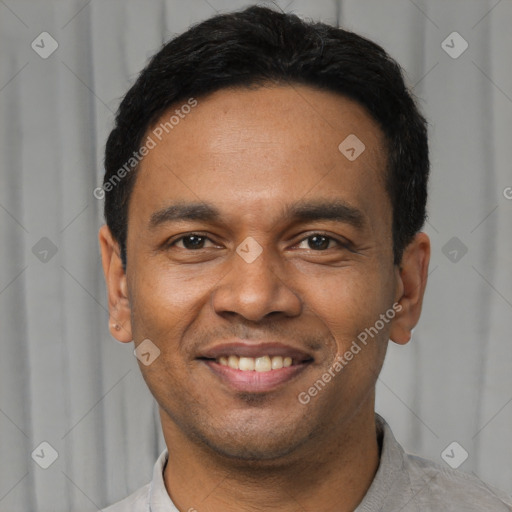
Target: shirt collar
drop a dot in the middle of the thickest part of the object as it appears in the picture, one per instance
(391, 473)
(159, 500)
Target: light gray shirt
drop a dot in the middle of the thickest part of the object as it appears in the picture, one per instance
(403, 482)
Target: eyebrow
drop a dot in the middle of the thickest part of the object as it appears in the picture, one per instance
(302, 211)
(336, 210)
(184, 211)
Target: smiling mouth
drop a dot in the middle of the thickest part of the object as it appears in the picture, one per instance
(256, 374)
(249, 367)
(255, 364)
(261, 364)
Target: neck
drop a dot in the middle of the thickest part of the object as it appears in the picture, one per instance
(332, 473)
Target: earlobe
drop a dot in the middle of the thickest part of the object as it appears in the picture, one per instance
(117, 287)
(412, 281)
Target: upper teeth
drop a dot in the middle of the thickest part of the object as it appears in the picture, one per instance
(258, 364)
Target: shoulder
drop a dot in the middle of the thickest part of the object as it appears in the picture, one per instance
(438, 488)
(136, 502)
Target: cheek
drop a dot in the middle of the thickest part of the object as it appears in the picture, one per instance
(349, 304)
(165, 296)
(163, 307)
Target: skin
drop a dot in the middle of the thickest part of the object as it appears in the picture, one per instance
(249, 153)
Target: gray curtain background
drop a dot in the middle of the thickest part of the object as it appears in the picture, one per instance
(64, 381)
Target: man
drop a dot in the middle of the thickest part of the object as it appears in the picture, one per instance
(265, 189)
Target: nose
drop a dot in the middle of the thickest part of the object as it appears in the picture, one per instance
(255, 289)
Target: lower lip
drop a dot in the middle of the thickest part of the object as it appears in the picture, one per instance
(252, 381)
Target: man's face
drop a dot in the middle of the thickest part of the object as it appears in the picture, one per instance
(267, 162)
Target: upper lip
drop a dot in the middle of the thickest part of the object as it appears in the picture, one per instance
(245, 348)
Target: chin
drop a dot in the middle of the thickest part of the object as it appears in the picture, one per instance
(251, 434)
(254, 452)
(266, 445)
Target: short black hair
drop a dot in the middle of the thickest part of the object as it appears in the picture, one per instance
(259, 46)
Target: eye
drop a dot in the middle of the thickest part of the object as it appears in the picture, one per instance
(193, 241)
(316, 242)
(320, 242)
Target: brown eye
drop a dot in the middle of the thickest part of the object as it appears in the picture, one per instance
(192, 242)
(320, 242)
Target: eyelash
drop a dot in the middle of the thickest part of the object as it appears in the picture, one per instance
(342, 245)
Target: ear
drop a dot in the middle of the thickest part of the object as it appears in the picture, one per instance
(117, 288)
(412, 276)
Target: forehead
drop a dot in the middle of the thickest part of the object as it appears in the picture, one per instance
(246, 150)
